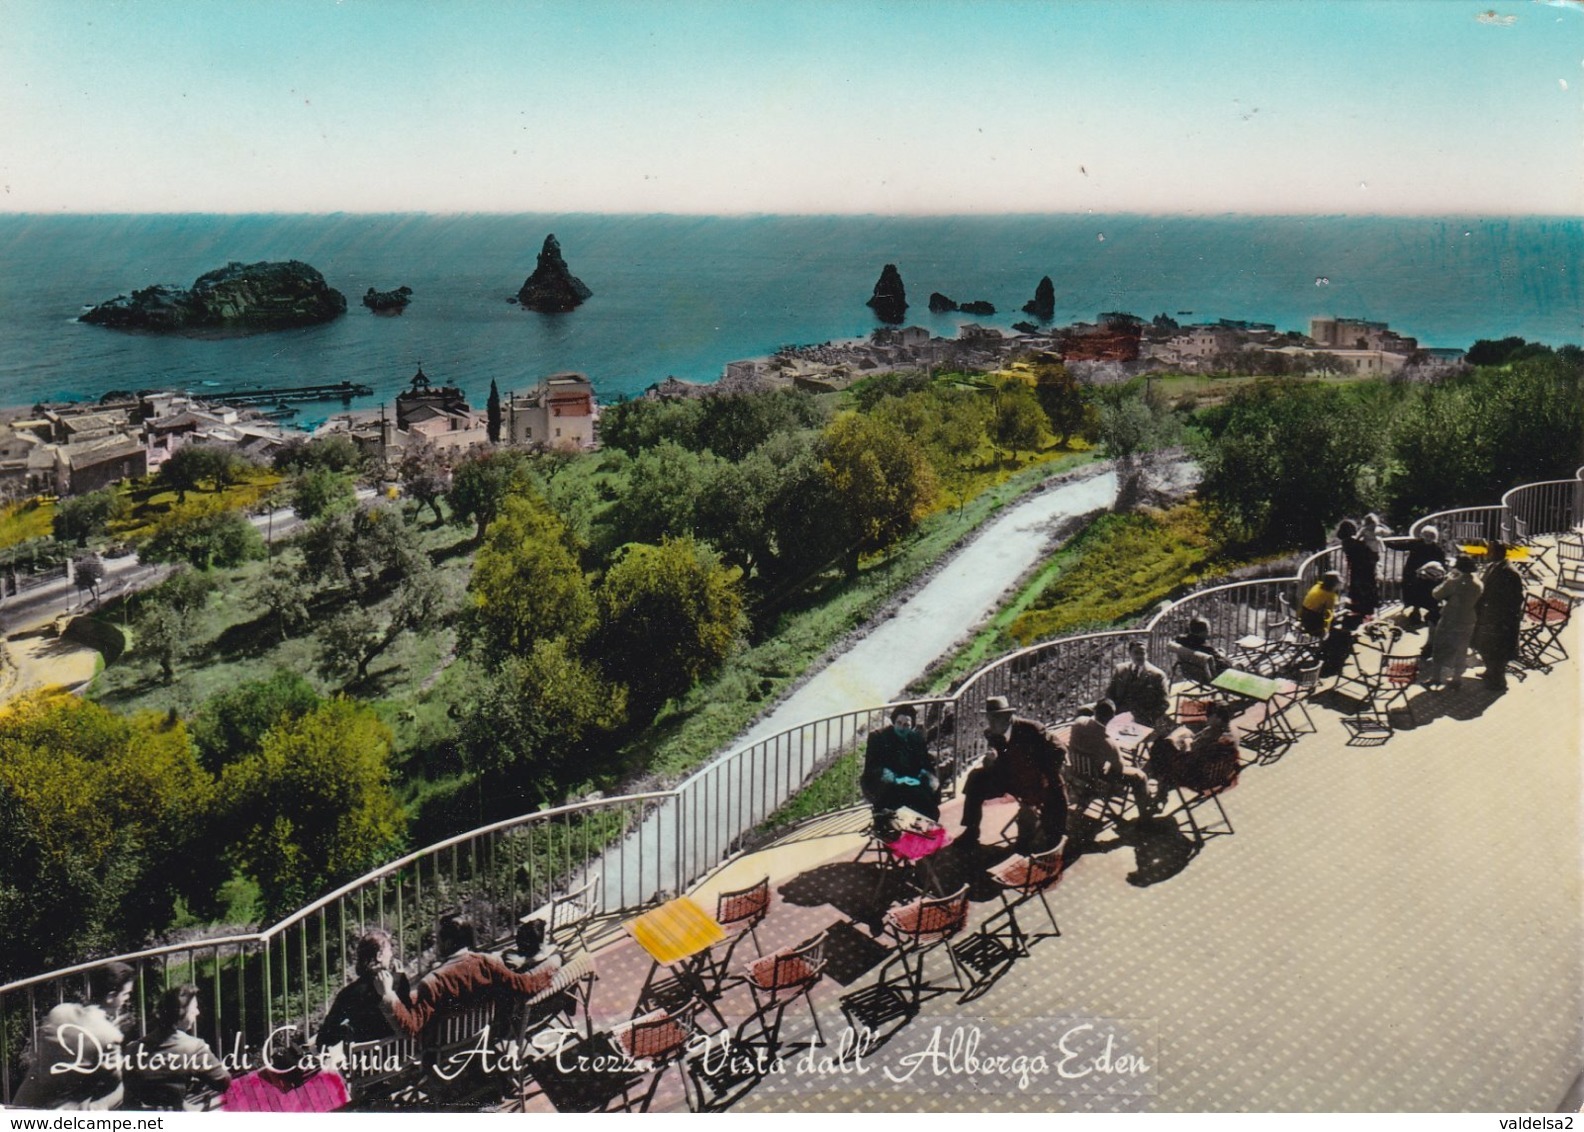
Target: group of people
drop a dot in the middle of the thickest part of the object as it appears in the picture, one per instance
(1026, 760)
(1465, 606)
(84, 1058)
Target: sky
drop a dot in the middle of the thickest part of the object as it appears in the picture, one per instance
(1407, 107)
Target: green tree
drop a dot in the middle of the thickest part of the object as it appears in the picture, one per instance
(360, 551)
(313, 806)
(162, 635)
(282, 600)
(526, 583)
(1020, 422)
(336, 452)
(535, 727)
(425, 475)
(79, 518)
(233, 723)
(668, 615)
(1283, 461)
(884, 482)
(1064, 400)
(632, 426)
(481, 483)
(319, 491)
(185, 592)
(355, 637)
(189, 466)
(666, 484)
(202, 535)
(88, 571)
(99, 815)
(493, 414)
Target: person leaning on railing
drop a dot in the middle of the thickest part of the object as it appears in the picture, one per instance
(95, 1026)
(464, 978)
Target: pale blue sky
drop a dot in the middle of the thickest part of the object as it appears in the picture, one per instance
(924, 106)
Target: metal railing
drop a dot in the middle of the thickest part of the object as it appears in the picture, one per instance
(645, 846)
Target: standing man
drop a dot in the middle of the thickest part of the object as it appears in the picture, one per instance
(1498, 617)
(1137, 686)
(898, 770)
(1025, 761)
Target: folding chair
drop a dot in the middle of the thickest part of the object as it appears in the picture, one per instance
(1204, 788)
(918, 928)
(1570, 561)
(778, 980)
(658, 1040)
(1020, 880)
(1305, 680)
(740, 913)
(1545, 618)
(571, 912)
(1113, 796)
(1539, 553)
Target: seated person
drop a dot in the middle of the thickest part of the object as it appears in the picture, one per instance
(98, 1022)
(1319, 604)
(1137, 686)
(355, 1015)
(898, 770)
(1207, 761)
(531, 950)
(1025, 761)
(463, 978)
(170, 1069)
(1092, 754)
(1197, 658)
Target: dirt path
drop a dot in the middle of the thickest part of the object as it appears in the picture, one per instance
(47, 661)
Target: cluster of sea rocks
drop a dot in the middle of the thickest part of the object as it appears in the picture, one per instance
(248, 298)
(889, 301)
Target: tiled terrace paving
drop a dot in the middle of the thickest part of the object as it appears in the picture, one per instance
(1394, 927)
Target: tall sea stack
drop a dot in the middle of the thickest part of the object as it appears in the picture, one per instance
(889, 300)
(1043, 305)
(552, 288)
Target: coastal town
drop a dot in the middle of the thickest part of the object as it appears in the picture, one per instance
(73, 448)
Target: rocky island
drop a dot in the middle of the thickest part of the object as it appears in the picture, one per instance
(889, 301)
(235, 299)
(387, 302)
(552, 288)
(942, 304)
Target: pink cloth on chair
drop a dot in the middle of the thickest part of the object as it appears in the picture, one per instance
(916, 846)
(264, 1090)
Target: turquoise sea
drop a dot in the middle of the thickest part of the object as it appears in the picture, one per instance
(683, 295)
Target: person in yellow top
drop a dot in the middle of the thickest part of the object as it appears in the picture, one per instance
(1319, 604)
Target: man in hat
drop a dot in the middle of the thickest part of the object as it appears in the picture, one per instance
(1024, 760)
(898, 770)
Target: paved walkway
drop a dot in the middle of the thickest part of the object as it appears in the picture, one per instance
(1390, 928)
(959, 597)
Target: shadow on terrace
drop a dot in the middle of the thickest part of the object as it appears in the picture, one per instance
(1379, 910)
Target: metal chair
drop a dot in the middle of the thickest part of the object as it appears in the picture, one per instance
(657, 1040)
(1570, 561)
(1305, 679)
(918, 928)
(1545, 617)
(740, 913)
(571, 913)
(1203, 786)
(1020, 880)
(778, 980)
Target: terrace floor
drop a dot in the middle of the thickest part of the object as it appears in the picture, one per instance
(1390, 928)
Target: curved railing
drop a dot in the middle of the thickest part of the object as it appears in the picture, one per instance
(647, 845)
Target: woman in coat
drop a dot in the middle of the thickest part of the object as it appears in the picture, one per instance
(1449, 639)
